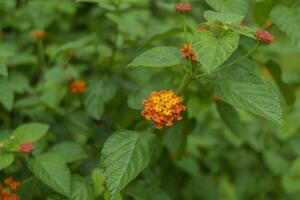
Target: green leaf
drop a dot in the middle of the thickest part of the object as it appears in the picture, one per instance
(146, 191)
(7, 94)
(3, 69)
(98, 181)
(245, 31)
(213, 16)
(97, 94)
(285, 89)
(158, 57)
(52, 171)
(30, 132)
(124, 155)
(53, 95)
(231, 117)
(74, 45)
(231, 6)
(288, 20)
(277, 164)
(175, 140)
(213, 51)
(69, 151)
(80, 189)
(54, 90)
(291, 180)
(241, 88)
(6, 160)
(19, 83)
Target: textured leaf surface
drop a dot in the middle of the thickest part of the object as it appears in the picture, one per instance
(231, 6)
(212, 51)
(240, 87)
(97, 94)
(7, 94)
(53, 171)
(288, 20)
(30, 132)
(230, 117)
(213, 16)
(6, 160)
(285, 89)
(158, 57)
(69, 151)
(124, 155)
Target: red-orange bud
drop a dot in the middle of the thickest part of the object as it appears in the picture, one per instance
(264, 37)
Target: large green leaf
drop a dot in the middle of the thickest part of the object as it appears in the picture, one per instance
(213, 16)
(6, 160)
(231, 6)
(285, 89)
(240, 87)
(7, 94)
(213, 51)
(81, 190)
(124, 155)
(230, 117)
(69, 151)
(30, 132)
(98, 93)
(158, 57)
(288, 19)
(52, 170)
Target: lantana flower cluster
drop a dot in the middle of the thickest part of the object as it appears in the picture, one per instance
(163, 108)
(77, 86)
(38, 35)
(8, 189)
(187, 52)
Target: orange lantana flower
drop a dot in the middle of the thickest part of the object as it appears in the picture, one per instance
(7, 191)
(162, 108)
(39, 35)
(77, 87)
(187, 52)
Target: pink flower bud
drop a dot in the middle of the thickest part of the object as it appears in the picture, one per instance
(183, 7)
(264, 37)
(26, 147)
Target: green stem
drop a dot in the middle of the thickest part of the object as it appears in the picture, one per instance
(184, 82)
(185, 28)
(188, 71)
(232, 63)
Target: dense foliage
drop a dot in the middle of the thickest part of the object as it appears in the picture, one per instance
(149, 99)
